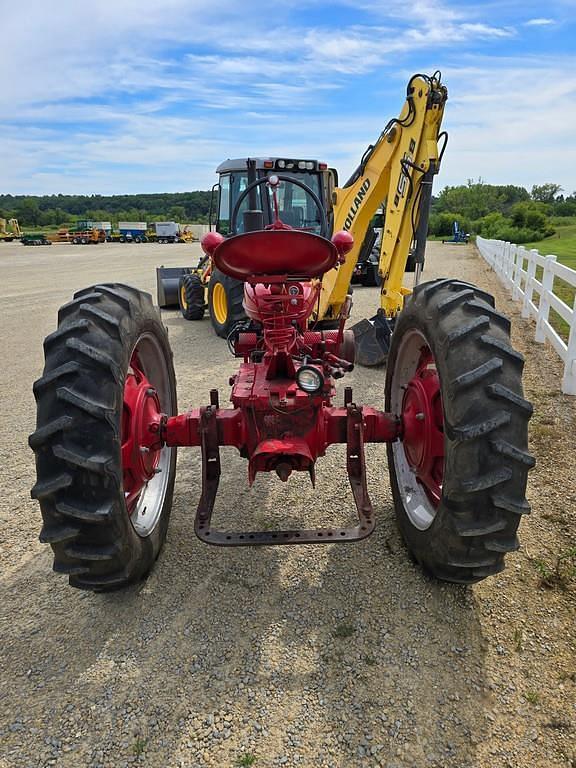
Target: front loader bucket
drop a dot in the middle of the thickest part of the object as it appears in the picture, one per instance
(167, 279)
(372, 339)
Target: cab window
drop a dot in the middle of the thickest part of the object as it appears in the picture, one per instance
(224, 206)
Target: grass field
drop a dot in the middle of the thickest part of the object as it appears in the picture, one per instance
(562, 244)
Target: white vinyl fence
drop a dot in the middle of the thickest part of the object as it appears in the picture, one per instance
(516, 267)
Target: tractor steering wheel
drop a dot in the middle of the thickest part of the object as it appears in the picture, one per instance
(292, 180)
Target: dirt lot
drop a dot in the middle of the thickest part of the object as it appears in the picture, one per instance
(336, 656)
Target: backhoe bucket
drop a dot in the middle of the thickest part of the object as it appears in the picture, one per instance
(167, 279)
(373, 340)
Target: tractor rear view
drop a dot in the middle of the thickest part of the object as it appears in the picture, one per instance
(455, 420)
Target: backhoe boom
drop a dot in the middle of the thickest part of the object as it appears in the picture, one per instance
(391, 174)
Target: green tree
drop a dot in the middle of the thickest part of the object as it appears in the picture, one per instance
(28, 212)
(545, 193)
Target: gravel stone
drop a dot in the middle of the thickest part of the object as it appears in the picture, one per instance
(224, 653)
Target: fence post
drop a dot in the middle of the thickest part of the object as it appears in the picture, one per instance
(544, 303)
(529, 292)
(505, 262)
(569, 379)
(501, 257)
(511, 266)
(516, 276)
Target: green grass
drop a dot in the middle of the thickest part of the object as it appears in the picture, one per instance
(342, 631)
(246, 760)
(562, 243)
(139, 746)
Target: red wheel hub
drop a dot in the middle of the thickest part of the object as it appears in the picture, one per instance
(423, 426)
(141, 418)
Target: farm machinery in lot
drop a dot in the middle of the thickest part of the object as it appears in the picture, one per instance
(458, 235)
(10, 230)
(455, 419)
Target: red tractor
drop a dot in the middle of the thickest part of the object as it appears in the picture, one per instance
(455, 420)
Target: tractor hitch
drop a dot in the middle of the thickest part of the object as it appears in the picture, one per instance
(355, 463)
(210, 427)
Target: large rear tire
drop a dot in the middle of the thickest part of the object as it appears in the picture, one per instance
(191, 297)
(225, 302)
(104, 484)
(459, 472)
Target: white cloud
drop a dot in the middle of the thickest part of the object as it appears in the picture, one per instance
(156, 92)
(484, 30)
(539, 22)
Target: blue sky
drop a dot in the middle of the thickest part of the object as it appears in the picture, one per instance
(150, 95)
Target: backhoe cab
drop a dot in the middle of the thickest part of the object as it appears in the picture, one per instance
(196, 288)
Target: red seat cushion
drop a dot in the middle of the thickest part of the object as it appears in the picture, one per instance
(275, 252)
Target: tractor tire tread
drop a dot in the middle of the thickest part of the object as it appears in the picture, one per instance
(72, 306)
(97, 410)
(461, 333)
(78, 434)
(58, 533)
(95, 312)
(67, 369)
(81, 324)
(486, 432)
(495, 316)
(499, 392)
(470, 378)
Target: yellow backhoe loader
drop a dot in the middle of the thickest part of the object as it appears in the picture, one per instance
(9, 230)
(394, 178)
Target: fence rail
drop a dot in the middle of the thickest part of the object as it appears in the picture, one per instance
(518, 268)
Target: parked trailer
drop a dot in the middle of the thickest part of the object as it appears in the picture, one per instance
(88, 237)
(106, 226)
(167, 231)
(130, 232)
(38, 238)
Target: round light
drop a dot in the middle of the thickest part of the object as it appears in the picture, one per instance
(309, 379)
(302, 165)
(281, 163)
(309, 166)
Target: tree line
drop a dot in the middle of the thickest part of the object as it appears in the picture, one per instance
(59, 210)
(502, 212)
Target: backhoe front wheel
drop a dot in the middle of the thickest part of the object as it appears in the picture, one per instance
(191, 297)
(225, 301)
(459, 470)
(104, 482)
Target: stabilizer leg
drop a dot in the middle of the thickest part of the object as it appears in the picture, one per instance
(373, 339)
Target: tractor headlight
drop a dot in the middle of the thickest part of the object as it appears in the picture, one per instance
(309, 379)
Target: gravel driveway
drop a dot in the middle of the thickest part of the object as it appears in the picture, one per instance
(338, 656)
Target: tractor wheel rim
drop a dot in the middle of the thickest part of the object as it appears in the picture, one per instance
(419, 454)
(220, 303)
(183, 301)
(145, 464)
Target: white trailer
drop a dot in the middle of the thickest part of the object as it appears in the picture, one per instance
(167, 231)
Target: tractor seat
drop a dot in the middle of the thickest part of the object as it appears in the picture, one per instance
(275, 252)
